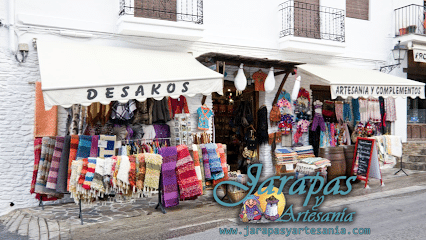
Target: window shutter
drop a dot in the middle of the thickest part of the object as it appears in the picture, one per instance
(358, 9)
(158, 9)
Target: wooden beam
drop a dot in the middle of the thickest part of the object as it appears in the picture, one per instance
(280, 88)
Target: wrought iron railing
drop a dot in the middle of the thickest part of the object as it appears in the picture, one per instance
(172, 10)
(410, 19)
(312, 21)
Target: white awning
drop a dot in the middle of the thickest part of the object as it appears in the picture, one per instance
(74, 73)
(350, 82)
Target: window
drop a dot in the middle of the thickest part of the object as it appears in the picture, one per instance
(357, 9)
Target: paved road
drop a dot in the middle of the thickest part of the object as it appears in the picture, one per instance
(395, 217)
(5, 235)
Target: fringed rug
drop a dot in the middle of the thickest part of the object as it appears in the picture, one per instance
(186, 175)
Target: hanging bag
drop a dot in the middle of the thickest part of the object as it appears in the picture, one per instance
(275, 115)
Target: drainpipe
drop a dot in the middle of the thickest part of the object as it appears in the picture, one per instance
(12, 44)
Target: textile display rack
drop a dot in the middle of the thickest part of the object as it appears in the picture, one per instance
(159, 205)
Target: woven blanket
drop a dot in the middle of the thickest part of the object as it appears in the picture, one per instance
(196, 158)
(223, 162)
(200, 156)
(61, 182)
(109, 151)
(54, 166)
(45, 122)
(207, 173)
(100, 172)
(83, 172)
(84, 145)
(123, 175)
(37, 154)
(72, 156)
(132, 173)
(108, 173)
(47, 149)
(311, 160)
(114, 170)
(153, 167)
(214, 162)
(94, 148)
(169, 180)
(76, 168)
(187, 178)
(90, 174)
(140, 176)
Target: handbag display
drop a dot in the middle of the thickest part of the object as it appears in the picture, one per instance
(275, 115)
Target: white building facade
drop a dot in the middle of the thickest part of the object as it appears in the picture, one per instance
(264, 29)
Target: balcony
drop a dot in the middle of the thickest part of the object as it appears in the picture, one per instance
(311, 28)
(410, 24)
(174, 19)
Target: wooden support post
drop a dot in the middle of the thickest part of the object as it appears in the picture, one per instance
(280, 88)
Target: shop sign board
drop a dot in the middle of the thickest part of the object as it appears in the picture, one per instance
(419, 55)
(368, 162)
(348, 90)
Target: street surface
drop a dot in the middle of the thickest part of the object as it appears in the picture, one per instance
(395, 217)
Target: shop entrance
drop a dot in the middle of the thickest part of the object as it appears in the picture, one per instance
(229, 109)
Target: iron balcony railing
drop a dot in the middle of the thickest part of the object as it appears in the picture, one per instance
(171, 10)
(312, 21)
(410, 19)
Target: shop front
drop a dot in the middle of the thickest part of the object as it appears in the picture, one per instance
(416, 108)
(137, 123)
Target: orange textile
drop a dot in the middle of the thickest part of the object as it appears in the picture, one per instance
(259, 78)
(45, 122)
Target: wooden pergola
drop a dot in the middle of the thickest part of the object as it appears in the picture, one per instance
(222, 59)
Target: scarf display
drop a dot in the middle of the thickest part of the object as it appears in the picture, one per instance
(186, 176)
(108, 151)
(153, 168)
(45, 122)
(221, 153)
(72, 156)
(140, 175)
(207, 172)
(94, 148)
(61, 182)
(84, 145)
(54, 166)
(37, 154)
(169, 179)
(214, 162)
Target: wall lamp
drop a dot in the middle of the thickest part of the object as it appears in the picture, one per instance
(398, 52)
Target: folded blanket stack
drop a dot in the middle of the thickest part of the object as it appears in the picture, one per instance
(304, 152)
(285, 156)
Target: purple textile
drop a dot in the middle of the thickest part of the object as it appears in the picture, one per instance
(94, 148)
(318, 121)
(207, 173)
(162, 131)
(169, 179)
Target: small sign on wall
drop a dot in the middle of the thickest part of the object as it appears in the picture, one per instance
(419, 55)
